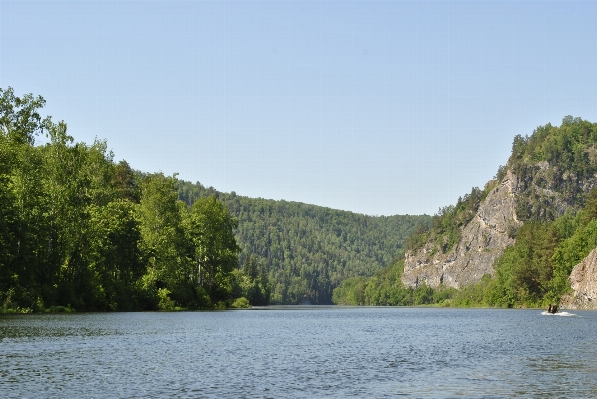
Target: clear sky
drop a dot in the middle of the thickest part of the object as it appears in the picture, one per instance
(382, 108)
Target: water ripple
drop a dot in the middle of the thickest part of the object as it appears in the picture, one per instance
(310, 352)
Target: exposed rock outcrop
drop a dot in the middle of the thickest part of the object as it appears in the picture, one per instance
(483, 239)
(547, 175)
(544, 192)
(583, 281)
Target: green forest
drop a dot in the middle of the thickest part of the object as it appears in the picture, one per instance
(79, 231)
(307, 250)
(534, 271)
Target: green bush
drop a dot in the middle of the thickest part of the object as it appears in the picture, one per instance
(240, 303)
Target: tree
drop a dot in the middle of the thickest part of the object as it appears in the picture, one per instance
(163, 241)
(20, 120)
(254, 282)
(123, 180)
(115, 258)
(215, 252)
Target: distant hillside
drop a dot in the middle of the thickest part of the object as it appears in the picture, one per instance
(309, 250)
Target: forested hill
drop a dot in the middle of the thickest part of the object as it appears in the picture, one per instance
(309, 250)
(81, 232)
(512, 244)
(548, 174)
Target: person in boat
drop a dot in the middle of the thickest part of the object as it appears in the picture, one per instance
(552, 308)
(549, 308)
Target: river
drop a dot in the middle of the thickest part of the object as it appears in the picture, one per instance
(301, 352)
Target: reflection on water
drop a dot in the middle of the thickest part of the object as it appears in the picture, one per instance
(300, 352)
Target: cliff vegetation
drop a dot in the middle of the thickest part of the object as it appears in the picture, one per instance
(515, 243)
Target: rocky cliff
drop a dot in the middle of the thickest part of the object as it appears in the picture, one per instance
(548, 173)
(538, 192)
(583, 281)
(483, 239)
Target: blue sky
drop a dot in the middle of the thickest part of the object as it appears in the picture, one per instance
(380, 108)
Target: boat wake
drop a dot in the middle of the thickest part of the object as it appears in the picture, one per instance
(562, 314)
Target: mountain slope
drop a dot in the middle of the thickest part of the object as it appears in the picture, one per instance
(309, 250)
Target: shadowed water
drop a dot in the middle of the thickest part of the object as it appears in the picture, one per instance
(301, 352)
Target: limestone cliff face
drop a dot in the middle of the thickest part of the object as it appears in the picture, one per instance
(484, 238)
(544, 193)
(583, 281)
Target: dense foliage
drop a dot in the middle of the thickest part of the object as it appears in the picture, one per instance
(305, 250)
(78, 231)
(554, 161)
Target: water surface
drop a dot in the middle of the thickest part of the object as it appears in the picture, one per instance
(304, 352)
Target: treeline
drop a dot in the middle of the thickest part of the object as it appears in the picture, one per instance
(80, 232)
(305, 250)
(556, 235)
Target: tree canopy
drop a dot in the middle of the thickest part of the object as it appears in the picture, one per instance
(79, 231)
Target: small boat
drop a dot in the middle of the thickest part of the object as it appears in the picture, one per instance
(552, 308)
